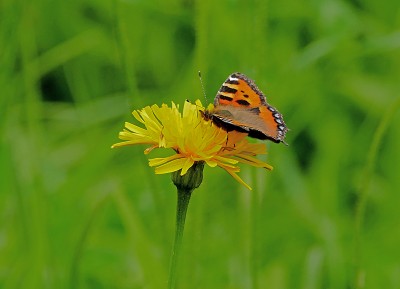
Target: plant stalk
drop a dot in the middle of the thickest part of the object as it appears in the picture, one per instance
(181, 209)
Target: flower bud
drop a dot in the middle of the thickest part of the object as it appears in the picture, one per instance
(191, 180)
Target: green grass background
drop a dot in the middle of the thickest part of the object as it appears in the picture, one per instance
(76, 214)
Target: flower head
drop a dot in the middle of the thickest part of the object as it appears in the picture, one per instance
(192, 138)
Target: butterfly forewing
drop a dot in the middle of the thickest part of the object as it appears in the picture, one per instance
(240, 91)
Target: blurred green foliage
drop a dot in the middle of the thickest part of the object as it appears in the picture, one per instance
(76, 214)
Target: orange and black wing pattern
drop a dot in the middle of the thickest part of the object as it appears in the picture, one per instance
(240, 91)
(240, 105)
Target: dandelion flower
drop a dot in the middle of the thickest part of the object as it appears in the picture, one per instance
(193, 141)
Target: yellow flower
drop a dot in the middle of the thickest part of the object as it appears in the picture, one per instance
(192, 138)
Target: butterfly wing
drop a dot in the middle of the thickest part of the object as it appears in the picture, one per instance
(240, 105)
(259, 123)
(239, 91)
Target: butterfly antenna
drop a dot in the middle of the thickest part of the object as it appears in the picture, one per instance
(202, 86)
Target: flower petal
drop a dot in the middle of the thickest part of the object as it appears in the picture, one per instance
(252, 161)
(187, 165)
(236, 177)
(211, 163)
(135, 129)
(159, 161)
(171, 166)
(226, 160)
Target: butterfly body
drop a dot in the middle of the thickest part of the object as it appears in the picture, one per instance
(239, 105)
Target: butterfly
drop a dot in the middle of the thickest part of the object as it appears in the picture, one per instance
(239, 105)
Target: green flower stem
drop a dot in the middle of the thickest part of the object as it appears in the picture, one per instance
(185, 185)
(181, 209)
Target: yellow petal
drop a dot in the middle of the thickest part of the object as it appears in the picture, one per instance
(149, 149)
(127, 143)
(253, 161)
(229, 167)
(236, 177)
(171, 166)
(159, 161)
(135, 129)
(226, 160)
(211, 163)
(136, 115)
(186, 166)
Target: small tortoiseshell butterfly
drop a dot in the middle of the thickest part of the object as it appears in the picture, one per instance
(239, 105)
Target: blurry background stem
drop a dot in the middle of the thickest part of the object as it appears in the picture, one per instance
(359, 277)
